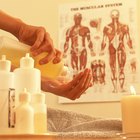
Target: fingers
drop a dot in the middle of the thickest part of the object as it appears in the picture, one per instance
(39, 39)
(86, 86)
(58, 57)
(44, 43)
(83, 84)
(67, 90)
(74, 82)
(80, 85)
(54, 55)
(48, 57)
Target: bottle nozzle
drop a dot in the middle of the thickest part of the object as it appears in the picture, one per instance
(5, 65)
(24, 96)
(3, 57)
(27, 55)
(27, 61)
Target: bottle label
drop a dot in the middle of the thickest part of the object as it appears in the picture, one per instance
(11, 108)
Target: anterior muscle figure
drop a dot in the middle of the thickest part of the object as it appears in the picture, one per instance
(114, 35)
(79, 36)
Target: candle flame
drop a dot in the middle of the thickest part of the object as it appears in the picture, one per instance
(132, 90)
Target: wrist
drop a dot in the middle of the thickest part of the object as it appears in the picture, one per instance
(18, 27)
(10, 24)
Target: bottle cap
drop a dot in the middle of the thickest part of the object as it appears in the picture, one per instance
(27, 61)
(38, 98)
(5, 65)
(24, 96)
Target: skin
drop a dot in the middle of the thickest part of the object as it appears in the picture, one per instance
(73, 89)
(40, 41)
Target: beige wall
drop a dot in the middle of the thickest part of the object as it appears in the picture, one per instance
(45, 13)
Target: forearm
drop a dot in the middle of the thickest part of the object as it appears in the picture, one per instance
(10, 24)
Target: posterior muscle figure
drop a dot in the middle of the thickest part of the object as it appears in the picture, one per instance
(80, 38)
(114, 35)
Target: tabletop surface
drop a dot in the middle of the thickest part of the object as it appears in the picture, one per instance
(55, 136)
(52, 136)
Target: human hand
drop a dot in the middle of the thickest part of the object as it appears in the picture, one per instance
(40, 42)
(71, 90)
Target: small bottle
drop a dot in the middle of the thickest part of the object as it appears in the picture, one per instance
(40, 113)
(14, 50)
(7, 95)
(24, 114)
(26, 76)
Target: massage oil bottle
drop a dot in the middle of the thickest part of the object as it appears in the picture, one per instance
(24, 114)
(14, 50)
(7, 97)
(40, 112)
(26, 76)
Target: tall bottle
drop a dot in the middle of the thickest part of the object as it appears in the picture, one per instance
(40, 113)
(26, 76)
(14, 50)
(7, 95)
(24, 114)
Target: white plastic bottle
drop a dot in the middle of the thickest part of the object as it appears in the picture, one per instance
(24, 114)
(26, 76)
(40, 113)
(7, 94)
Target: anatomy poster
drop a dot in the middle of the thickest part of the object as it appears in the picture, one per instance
(101, 35)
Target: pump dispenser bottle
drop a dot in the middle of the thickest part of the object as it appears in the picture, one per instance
(40, 112)
(7, 94)
(24, 114)
(14, 50)
(26, 76)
